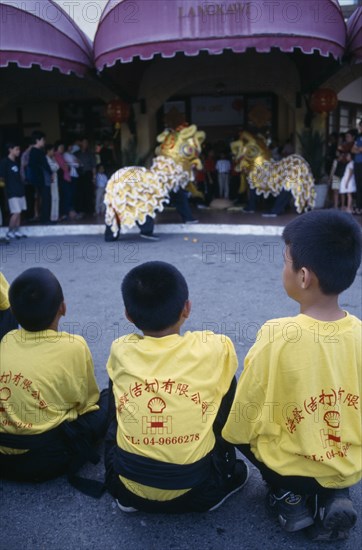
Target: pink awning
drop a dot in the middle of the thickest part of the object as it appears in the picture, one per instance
(354, 36)
(41, 33)
(144, 28)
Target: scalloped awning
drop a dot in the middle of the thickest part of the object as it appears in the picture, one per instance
(41, 33)
(144, 28)
(354, 36)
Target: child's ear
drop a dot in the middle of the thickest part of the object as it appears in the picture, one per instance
(186, 310)
(306, 277)
(62, 309)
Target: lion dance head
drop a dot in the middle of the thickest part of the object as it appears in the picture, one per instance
(183, 145)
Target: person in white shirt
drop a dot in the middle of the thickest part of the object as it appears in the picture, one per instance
(223, 168)
(73, 164)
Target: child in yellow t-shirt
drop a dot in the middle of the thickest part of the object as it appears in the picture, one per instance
(297, 408)
(51, 411)
(172, 394)
(7, 319)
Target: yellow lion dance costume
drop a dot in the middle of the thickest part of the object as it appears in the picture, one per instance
(266, 176)
(135, 192)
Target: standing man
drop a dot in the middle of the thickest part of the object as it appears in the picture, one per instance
(37, 168)
(357, 150)
(10, 172)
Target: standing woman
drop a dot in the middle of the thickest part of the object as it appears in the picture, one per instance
(348, 185)
(73, 164)
(54, 191)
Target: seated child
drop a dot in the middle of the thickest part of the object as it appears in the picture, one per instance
(50, 406)
(303, 376)
(172, 396)
(7, 319)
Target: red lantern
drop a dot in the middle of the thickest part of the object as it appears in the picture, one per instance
(118, 111)
(323, 100)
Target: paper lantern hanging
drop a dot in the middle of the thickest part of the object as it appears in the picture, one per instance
(118, 111)
(323, 101)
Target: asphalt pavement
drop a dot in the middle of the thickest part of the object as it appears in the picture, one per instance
(235, 286)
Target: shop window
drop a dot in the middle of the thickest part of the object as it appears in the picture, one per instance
(222, 116)
(345, 117)
(84, 119)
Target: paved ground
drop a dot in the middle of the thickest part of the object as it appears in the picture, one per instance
(235, 285)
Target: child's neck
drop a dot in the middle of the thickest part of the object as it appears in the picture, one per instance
(168, 331)
(161, 333)
(323, 308)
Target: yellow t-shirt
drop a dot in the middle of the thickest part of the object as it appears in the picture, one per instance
(45, 378)
(167, 393)
(4, 292)
(298, 400)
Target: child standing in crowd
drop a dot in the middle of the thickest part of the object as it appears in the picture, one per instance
(51, 410)
(348, 185)
(10, 172)
(101, 182)
(303, 377)
(172, 394)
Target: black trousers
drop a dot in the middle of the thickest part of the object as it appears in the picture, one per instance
(147, 227)
(281, 202)
(198, 499)
(45, 201)
(56, 458)
(297, 484)
(85, 193)
(180, 200)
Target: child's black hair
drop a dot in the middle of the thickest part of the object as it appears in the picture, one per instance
(11, 145)
(35, 296)
(154, 295)
(328, 242)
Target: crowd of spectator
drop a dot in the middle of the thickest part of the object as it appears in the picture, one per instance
(56, 182)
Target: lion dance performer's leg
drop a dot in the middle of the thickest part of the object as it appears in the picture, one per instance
(281, 202)
(147, 227)
(180, 200)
